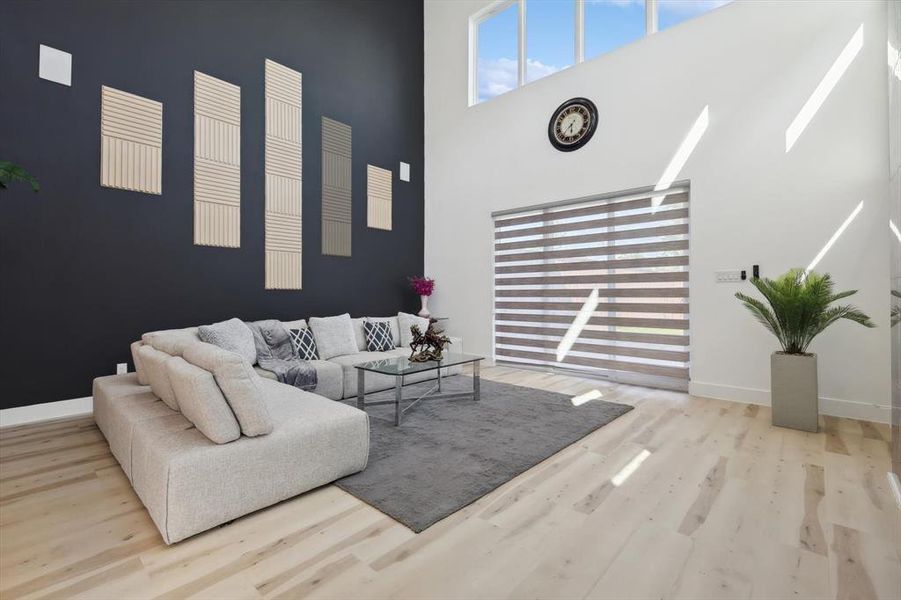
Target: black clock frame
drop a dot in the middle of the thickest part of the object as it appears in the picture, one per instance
(592, 126)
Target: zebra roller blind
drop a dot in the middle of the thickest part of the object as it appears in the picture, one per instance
(599, 285)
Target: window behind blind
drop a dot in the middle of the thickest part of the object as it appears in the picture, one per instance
(598, 285)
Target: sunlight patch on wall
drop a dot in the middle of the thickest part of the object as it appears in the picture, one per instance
(681, 156)
(822, 91)
(834, 238)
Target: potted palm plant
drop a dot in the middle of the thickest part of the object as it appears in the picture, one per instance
(798, 308)
(10, 172)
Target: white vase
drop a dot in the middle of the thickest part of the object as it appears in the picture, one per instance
(424, 312)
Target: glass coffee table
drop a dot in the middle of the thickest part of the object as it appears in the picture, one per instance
(401, 366)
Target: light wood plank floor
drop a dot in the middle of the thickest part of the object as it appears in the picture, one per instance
(681, 498)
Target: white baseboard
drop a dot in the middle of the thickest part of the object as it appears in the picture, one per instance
(21, 415)
(834, 407)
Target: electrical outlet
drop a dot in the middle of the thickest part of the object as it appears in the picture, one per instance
(121, 368)
(728, 276)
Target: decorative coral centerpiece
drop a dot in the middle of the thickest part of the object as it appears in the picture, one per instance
(423, 286)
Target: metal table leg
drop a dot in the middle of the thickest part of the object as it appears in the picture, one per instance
(475, 381)
(361, 389)
(398, 386)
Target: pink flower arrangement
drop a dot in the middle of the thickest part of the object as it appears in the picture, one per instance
(423, 286)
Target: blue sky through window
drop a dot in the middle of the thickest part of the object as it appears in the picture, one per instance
(550, 35)
(497, 60)
(673, 12)
(610, 24)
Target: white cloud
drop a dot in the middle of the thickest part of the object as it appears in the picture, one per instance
(496, 76)
(535, 69)
(499, 75)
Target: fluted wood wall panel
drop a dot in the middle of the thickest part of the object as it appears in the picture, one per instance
(217, 162)
(131, 141)
(284, 168)
(378, 192)
(336, 188)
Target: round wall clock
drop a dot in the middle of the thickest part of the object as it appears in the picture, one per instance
(573, 124)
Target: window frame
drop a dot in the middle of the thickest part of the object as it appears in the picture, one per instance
(651, 27)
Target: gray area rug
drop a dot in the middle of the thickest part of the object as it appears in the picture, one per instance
(449, 453)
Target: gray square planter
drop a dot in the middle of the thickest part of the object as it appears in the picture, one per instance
(794, 393)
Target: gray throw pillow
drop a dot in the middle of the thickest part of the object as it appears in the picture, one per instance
(201, 401)
(154, 363)
(405, 321)
(334, 336)
(239, 383)
(232, 335)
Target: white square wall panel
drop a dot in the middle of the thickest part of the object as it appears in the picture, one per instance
(284, 168)
(217, 162)
(404, 171)
(55, 65)
(131, 142)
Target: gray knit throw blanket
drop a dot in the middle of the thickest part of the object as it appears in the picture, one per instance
(275, 353)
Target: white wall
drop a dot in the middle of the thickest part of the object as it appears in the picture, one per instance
(754, 64)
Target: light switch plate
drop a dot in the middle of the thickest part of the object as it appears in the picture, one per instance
(728, 276)
(121, 368)
(55, 65)
(404, 171)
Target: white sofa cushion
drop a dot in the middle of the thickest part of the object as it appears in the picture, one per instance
(232, 335)
(154, 363)
(171, 341)
(201, 401)
(405, 321)
(239, 383)
(298, 324)
(139, 364)
(334, 336)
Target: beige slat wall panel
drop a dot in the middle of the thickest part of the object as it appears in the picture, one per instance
(131, 142)
(217, 162)
(336, 188)
(284, 177)
(379, 203)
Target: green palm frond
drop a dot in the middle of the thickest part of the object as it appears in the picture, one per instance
(800, 308)
(10, 172)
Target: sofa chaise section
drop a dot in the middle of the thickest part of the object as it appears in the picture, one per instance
(190, 484)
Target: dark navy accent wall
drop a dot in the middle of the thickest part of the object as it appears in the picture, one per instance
(84, 270)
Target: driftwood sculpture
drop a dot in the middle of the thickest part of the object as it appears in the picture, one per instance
(427, 346)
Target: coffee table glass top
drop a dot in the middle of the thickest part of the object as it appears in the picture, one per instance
(402, 365)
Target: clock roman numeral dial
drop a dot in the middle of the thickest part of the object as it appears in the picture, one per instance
(573, 124)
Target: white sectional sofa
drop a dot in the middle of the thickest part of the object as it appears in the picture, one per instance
(205, 437)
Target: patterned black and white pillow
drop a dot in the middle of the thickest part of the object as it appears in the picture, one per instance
(304, 344)
(378, 336)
